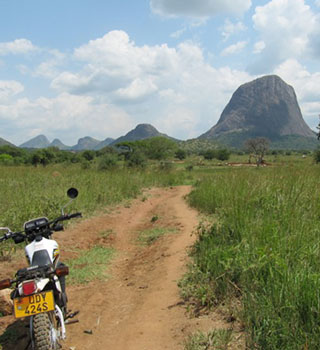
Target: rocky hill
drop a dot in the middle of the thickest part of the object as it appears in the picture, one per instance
(4, 142)
(39, 141)
(265, 107)
(141, 131)
(104, 143)
(86, 143)
(57, 143)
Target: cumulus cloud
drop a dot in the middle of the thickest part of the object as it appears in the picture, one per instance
(50, 67)
(56, 116)
(230, 28)
(235, 48)
(18, 46)
(9, 88)
(199, 8)
(259, 47)
(286, 28)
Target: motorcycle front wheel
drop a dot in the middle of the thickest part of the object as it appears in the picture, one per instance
(45, 332)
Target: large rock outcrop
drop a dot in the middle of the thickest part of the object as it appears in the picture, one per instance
(264, 107)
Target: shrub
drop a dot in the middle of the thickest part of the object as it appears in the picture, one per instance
(316, 156)
(223, 154)
(136, 159)
(107, 162)
(181, 154)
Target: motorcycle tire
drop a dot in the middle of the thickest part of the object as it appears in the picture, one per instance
(45, 332)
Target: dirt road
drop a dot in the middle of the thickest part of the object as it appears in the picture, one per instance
(139, 306)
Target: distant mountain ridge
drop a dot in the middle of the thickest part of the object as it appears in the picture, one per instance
(265, 107)
(140, 132)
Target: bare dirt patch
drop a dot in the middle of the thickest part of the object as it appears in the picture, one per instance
(139, 306)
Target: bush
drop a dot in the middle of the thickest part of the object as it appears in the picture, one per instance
(136, 159)
(6, 159)
(107, 162)
(316, 156)
(181, 154)
(209, 154)
(223, 154)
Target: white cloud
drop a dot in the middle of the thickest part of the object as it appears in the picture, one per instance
(55, 117)
(259, 47)
(115, 84)
(50, 67)
(286, 28)
(235, 48)
(137, 90)
(230, 28)
(18, 46)
(317, 2)
(199, 8)
(9, 88)
(177, 34)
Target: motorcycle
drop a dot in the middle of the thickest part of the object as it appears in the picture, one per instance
(39, 291)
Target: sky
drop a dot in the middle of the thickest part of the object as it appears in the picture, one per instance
(76, 68)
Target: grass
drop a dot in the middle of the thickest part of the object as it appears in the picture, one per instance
(90, 265)
(147, 237)
(214, 340)
(9, 336)
(264, 250)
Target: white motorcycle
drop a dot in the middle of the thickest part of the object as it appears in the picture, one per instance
(39, 291)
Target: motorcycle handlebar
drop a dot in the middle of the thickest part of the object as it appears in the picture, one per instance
(67, 217)
(74, 215)
(54, 222)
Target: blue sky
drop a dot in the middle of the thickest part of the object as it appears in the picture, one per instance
(70, 69)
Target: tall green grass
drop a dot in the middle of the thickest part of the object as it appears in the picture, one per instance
(265, 249)
(28, 192)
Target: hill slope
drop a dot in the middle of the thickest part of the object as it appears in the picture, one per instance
(39, 141)
(141, 131)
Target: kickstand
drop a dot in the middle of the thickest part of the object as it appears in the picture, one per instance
(72, 314)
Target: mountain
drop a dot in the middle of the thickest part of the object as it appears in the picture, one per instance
(85, 143)
(4, 142)
(104, 143)
(141, 131)
(265, 107)
(37, 142)
(57, 143)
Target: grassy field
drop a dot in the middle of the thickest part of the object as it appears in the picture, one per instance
(264, 249)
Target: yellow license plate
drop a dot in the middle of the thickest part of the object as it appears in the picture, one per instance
(33, 304)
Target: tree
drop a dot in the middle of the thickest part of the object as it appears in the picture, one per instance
(181, 154)
(42, 156)
(107, 161)
(209, 154)
(223, 154)
(88, 155)
(257, 148)
(156, 148)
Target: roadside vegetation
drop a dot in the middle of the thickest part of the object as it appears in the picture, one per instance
(263, 250)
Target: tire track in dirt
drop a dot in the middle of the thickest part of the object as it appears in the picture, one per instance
(139, 306)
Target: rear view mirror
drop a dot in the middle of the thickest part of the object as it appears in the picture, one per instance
(72, 193)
